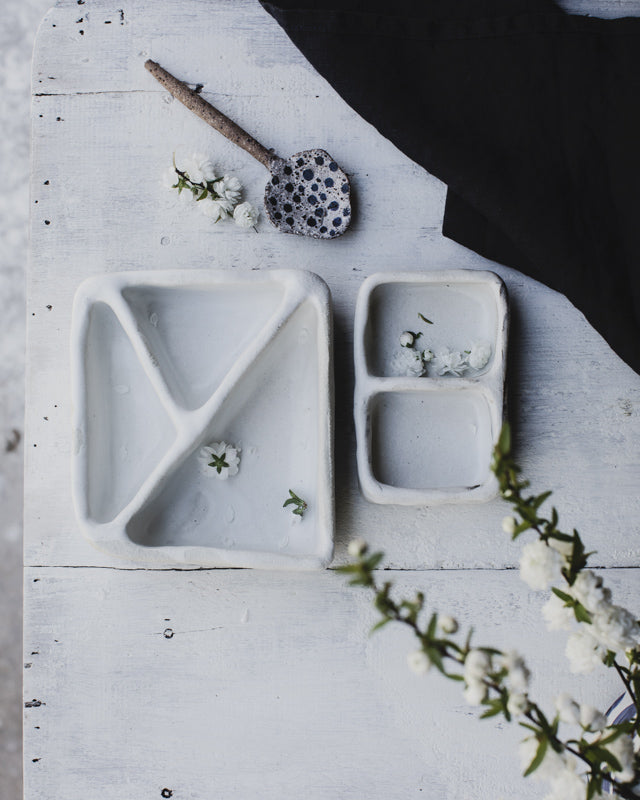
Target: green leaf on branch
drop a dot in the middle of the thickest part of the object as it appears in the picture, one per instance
(538, 758)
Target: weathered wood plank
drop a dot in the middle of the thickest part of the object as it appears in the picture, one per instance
(238, 684)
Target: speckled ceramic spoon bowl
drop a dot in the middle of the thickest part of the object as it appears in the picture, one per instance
(307, 193)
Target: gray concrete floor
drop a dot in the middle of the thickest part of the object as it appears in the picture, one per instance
(18, 25)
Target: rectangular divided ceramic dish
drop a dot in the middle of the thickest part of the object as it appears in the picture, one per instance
(430, 354)
(166, 363)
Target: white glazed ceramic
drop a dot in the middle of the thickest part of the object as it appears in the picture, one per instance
(166, 362)
(426, 440)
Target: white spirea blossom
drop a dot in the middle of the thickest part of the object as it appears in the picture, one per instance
(622, 749)
(245, 215)
(477, 666)
(452, 362)
(566, 784)
(447, 624)
(419, 662)
(567, 708)
(539, 564)
(475, 692)
(407, 361)
(517, 704)
(215, 209)
(615, 628)
(583, 651)
(589, 590)
(557, 615)
(591, 719)
(406, 339)
(229, 188)
(479, 355)
(216, 450)
(199, 168)
(517, 672)
(427, 356)
(509, 524)
(357, 547)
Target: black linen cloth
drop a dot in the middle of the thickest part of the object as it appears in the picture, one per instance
(530, 115)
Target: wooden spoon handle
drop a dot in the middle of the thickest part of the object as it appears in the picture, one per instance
(194, 102)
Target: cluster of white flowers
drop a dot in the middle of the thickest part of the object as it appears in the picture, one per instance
(217, 197)
(411, 361)
(612, 628)
(477, 666)
(219, 460)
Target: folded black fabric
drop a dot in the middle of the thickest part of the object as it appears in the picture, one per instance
(530, 115)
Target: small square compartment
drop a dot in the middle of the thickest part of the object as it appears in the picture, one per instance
(428, 438)
(435, 441)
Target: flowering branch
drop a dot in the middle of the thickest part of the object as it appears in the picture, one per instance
(217, 198)
(579, 765)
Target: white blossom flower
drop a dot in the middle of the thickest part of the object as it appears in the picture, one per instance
(583, 651)
(229, 188)
(539, 564)
(199, 169)
(566, 784)
(622, 749)
(419, 662)
(407, 361)
(509, 525)
(447, 624)
(477, 666)
(517, 672)
(517, 704)
(406, 339)
(479, 355)
(589, 590)
(357, 547)
(591, 719)
(452, 362)
(615, 628)
(245, 215)
(567, 708)
(427, 356)
(557, 615)
(475, 692)
(219, 460)
(215, 209)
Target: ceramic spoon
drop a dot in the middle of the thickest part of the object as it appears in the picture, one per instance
(307, 193)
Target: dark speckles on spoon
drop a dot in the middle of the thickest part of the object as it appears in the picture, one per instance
(307, 193)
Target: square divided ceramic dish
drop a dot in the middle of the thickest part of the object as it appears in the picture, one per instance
(165, 362)
(427, 439)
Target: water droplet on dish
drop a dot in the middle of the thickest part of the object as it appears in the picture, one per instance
(153, 319)
(283, 542)
(230, 514)
(121, 388)
(228, 541)
(245, 616)
(303, 336)
(165, 240)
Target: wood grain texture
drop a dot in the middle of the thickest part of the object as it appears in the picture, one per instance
(240, 684)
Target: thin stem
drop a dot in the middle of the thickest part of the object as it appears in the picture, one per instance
(627, 684)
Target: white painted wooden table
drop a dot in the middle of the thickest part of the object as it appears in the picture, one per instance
(149, 683)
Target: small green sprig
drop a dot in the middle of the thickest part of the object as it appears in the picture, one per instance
(300, 504)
